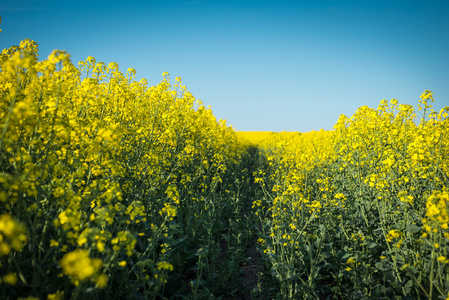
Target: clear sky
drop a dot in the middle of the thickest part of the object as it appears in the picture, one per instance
(261, 65)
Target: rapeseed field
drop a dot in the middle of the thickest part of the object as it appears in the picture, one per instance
(254, 137)
(113, 189)
(360, 211)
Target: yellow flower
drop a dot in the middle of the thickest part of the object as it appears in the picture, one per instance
(78, 265)
(392, 234)
(100, 246)
(351, 260)
(14, 232)
(432, 210)
(427, 227)
(102, 281)
(122, 263)
(163, 265)
(10, 279)
(57, 296)
(441, 258)
(5, 249)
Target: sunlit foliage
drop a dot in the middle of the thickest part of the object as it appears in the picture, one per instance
(360, 211)
(102, 177)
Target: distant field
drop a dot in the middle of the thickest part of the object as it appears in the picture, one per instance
(258, 137)
(254, 137)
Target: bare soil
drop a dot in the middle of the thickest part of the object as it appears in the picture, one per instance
(249, 270)
(249, 277)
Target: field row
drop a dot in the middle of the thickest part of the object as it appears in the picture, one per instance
(112, 189)
(360, 211)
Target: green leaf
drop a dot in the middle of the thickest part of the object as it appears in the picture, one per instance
(380, 266)
(413, 228)
(409, 284)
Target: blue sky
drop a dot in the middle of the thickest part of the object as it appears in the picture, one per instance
(261, 65)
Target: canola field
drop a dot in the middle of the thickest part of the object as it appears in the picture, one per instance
(113, 189)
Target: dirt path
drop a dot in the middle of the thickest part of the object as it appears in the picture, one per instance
(253, 267)
(249, 270)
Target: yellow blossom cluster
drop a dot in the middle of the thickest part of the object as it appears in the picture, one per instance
(97, 169)
(360, 189)
(437, 208)
(79, 266)
(13, 235)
